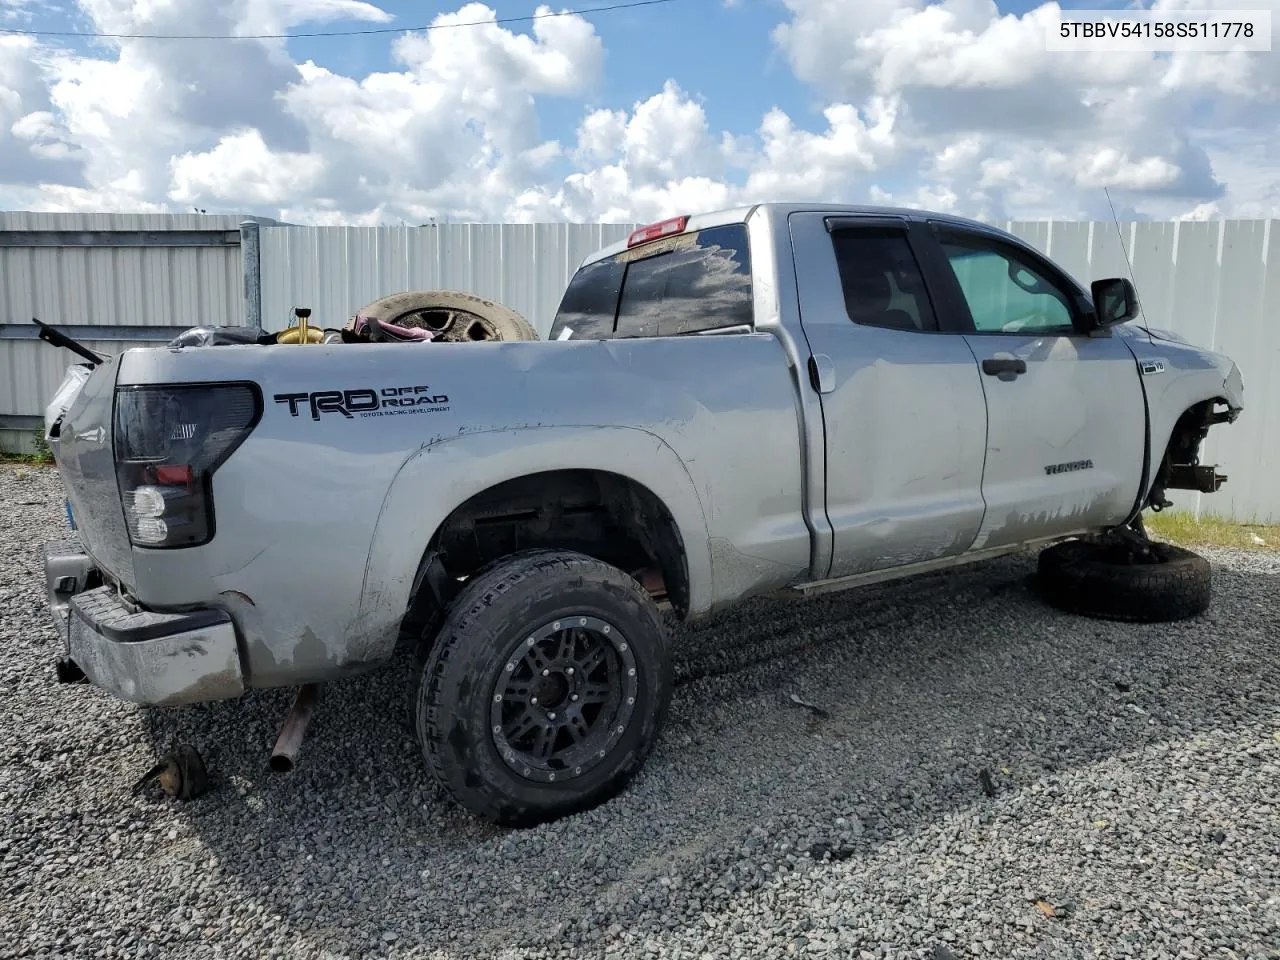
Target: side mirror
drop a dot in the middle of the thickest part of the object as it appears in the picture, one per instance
(1114, 301)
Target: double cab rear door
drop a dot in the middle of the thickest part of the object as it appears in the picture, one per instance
(963, 407)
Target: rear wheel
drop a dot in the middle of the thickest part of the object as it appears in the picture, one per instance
(1113, 581)
(546, 688)
(455, 317)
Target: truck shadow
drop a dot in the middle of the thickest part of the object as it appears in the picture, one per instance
(907, 692)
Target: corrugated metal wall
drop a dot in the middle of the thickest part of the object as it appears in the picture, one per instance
(134, 286)
(104, 286)
(1216, 283)
(337, 270)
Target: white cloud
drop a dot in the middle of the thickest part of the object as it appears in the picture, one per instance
(1201, 211)
(242, 169)
(563, 57)
(15, 11)
(120, 196)
(661, 158)
(950, 104)
(243, 16)
(1006, 126)
(456, 132)
(798, 165)
(663, 137)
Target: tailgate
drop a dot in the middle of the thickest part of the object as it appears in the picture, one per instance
(80, 439)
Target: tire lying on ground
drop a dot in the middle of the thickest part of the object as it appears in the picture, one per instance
(545, 689)
(457, 317)
(1104, 581)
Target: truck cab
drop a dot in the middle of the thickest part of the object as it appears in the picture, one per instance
(958, 391)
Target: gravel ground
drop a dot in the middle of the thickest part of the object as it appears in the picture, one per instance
(1135, 772)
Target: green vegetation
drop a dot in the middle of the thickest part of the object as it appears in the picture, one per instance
(1209, 531)
(41, 457)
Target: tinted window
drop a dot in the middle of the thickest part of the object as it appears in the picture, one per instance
(882, 283)
(1005, 295)
(590, 301)
(697, 282)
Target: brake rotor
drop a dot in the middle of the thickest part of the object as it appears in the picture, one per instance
(181, 774)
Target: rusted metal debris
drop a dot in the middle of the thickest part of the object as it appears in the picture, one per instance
(181, 774)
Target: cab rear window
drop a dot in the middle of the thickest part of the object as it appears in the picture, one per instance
(689, 283)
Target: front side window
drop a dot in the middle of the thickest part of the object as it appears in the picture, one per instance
(1004, 294)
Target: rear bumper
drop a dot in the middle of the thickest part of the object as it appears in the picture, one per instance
(158, 659)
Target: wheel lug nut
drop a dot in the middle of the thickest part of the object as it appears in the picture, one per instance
(551, 715)
(546, 673)
(569, 671)
(534, 701)
(573, 697)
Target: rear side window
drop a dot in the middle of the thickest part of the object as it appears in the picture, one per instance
(881, 281)
(701, 282)
(684, 284)
(590, 302)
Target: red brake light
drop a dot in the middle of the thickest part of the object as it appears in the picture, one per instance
(177, 476)
(655, 231)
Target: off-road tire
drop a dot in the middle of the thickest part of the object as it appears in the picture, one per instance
(418, 632)
(457, 317)
(485, 630)
(1091, 579)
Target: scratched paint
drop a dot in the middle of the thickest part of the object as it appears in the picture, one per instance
(190, 667)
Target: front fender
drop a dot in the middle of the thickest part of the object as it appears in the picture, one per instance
(444, 474)
(1177, 377)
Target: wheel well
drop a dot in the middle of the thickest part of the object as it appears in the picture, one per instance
(1180, 468)
(598, 513)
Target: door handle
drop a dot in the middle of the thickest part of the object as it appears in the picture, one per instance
(995, 366)
(822, 373)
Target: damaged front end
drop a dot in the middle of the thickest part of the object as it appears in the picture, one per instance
(1180, 468)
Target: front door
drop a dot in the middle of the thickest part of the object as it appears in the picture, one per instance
(1066, 420)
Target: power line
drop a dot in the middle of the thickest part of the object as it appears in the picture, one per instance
(328, 33)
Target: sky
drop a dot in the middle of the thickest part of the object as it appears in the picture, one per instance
(622, 115)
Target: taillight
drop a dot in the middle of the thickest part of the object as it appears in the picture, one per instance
(168, 441)
(656, 231)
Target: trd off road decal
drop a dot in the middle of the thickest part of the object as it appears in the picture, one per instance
(1069, 467)
(366, 402)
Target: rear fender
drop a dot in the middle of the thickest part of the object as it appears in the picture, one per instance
(446, 473)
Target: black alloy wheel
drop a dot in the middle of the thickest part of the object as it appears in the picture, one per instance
(545, 688)
(564, 699)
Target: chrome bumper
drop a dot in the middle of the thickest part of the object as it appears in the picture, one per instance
(158, 659)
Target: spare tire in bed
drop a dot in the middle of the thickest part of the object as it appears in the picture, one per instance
(455, 317)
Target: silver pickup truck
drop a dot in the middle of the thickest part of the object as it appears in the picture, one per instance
(777, 397)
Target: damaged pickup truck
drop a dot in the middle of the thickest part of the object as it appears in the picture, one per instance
(773, 398)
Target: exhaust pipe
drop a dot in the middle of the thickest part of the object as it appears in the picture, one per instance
(285, 752)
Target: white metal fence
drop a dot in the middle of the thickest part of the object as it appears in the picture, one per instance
(1216, 283)
(113, 281)
(337, 270)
